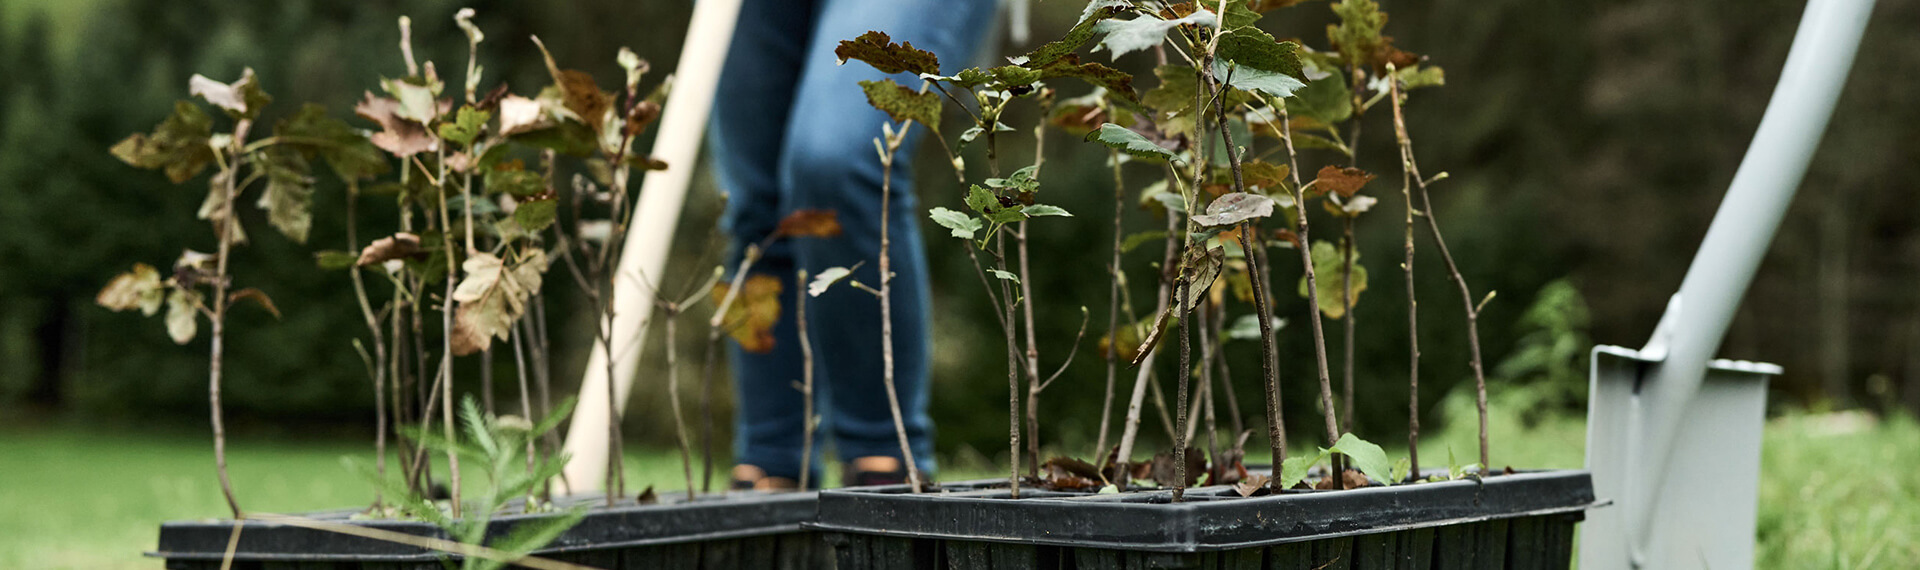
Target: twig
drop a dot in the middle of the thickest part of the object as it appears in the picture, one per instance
(894, 140)
(806, 383)
(1113, 305)
(1408, 172)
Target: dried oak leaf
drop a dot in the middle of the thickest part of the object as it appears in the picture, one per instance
(1338, 180)
(398, 246)
(399, 137)
(879, 51)
(815, 223)
(749, 320)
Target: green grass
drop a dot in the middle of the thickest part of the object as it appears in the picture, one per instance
(1837, 491)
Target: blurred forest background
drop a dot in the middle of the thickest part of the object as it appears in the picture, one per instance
(1588, 144)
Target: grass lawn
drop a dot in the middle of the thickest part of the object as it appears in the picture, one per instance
(1838, 491)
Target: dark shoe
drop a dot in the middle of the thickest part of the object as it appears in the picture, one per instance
(874, 470)
(752, 478)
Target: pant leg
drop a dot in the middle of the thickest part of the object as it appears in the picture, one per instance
(829, 162)
(756, 93)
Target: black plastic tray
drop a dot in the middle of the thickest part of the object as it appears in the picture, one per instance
(1523, 520)
(735, 530)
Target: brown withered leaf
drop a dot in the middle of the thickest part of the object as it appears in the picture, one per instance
(578, 91)
(647, 496)
(492, 297)
(1344, 181)
(1069, 474)
(397, 246)
(137, 289)
(1253, 485)
(815, 223)
(1162, 472)
(754, 311)
(1263, 174)
(399, 137)
(1288, 236)
(642, 116)
(879, 51)
(257, 296)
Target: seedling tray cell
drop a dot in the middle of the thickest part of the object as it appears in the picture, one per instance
(737, 530)
(1524, 520)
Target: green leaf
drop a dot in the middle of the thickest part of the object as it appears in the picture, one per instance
(1401, 469)
(476, 426)
(1113, 80)
(1176, 92)
(879, 51)
(466, 126)
(528, 535)
(1126, 36)
(903, 104)
(1038, 210)
(288, 198)
(1327, 100)
(1134, 241)
(1327, 265)
(333, 259)
(1419, 76)
(1257, 80)
(515, 181)
(981, 200)
(1090, 18)
(178, 144)
(961, 224)
(1294, 469)
(536, 215)
(183, 315)
(1004, 275)
(1252, 48)
(1125, 140)
(417, 99)
(348, 152)
(554, 418)
(1367, 457)
(1247, 327)
(1010, 76)
(827, 278)
(1358, 34)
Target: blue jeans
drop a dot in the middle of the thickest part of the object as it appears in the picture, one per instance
(793, 130)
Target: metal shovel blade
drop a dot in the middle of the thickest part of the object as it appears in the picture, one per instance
(1706, 506)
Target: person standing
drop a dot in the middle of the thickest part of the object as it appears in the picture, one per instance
(792, 130)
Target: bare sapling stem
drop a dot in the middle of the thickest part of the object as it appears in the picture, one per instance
(1219, 361)
(894, 140)
(228, 189)
(1453, 271)
(715, 330)
(1209, 350)
(1113, 305)
(806, 380)
(519, 340)
(672, 311)
(379, 364)
(1131, 427)
(1313, 295)
(446, 348)
(1408, 172)
(1346, 318)
(1180, 399)
(486, 379)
